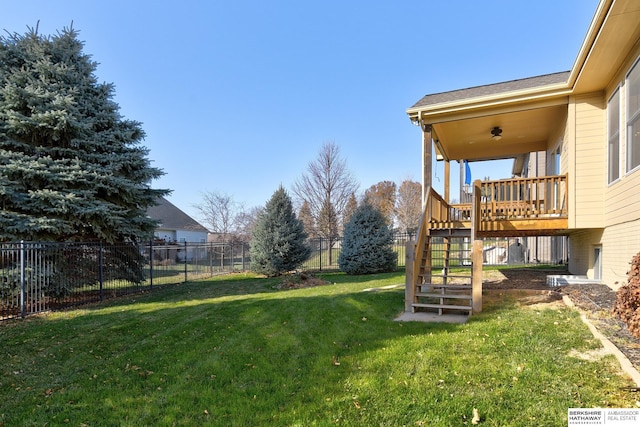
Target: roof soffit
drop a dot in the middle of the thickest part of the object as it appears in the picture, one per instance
(607, 45)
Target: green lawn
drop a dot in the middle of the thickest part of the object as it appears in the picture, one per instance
(234, 350)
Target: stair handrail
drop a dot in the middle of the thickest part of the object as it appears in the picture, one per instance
(423, 230)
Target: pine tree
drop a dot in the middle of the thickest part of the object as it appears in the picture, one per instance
(278, 244)
(367, 245)
(307, 219)
(71, 168)
(349, 208)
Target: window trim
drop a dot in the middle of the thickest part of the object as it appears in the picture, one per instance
(627, 119)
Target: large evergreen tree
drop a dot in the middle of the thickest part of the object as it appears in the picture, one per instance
(278, 244)
(367, 245)
(71, 167)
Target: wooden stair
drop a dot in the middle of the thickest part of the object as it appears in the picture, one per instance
(444, 274)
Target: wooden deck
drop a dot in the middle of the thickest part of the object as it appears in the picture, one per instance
(511, 207)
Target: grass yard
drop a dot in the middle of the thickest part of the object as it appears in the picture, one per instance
(235, 351)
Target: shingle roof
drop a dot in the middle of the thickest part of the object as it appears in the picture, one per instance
(492, 89)
(173, 218)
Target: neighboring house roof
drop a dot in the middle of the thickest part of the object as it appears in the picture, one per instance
(493, 89)
(171, 217)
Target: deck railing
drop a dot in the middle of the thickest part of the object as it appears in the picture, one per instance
(524, 198)
(439, 211)
(520, 198)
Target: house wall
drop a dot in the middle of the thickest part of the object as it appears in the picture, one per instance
(587, 160)
(191, 236)
(619, 208)
(170, 235)
(619, 244)
(623, 196)
(581, 247)
(557, 142)
(536, 165)
(166, 234)
(621, 239)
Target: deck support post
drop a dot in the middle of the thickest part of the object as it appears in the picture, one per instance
(447, 181)
(476, 249)
(476, 276)
(427, 147)
(410, 288)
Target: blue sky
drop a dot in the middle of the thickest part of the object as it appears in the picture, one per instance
(238, 96)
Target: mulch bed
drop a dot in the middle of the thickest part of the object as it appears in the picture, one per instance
(595, 300)
(598, 301)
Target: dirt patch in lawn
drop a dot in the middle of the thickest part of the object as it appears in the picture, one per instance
(529, 288)
(530, 298)
(301, 280)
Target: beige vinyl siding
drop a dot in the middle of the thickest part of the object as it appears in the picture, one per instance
(590, 161)
(619, 244)
(557, 143)
(622, 197)
(623, 200)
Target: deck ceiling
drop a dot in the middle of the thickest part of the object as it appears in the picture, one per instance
(523, 131)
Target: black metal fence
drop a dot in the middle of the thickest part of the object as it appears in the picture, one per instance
(325, 252)
(39, 276)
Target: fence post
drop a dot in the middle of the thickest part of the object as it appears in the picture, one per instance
(320, 239)
(22, 296)
(100, 266)
(150, 264)
(210, 257)
(185, 260)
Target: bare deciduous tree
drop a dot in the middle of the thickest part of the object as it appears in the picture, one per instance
(246, 222)
(221, 213)
(326, 188)
(409, 205)
(327, 179)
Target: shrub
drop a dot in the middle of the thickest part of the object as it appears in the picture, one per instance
(627, 305)
(367, 245)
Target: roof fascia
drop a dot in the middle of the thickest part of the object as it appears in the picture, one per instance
(552, 95)
(599, 17)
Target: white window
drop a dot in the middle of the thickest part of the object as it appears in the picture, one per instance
(613, 126)
(633, 117)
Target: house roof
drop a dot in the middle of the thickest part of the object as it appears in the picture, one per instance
(492, 89)
(171, 217)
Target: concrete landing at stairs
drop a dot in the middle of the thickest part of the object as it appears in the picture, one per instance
(425, 317)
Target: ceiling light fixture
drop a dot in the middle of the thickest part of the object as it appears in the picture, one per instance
(496, 133)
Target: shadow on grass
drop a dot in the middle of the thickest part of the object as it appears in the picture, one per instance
(238, 348)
